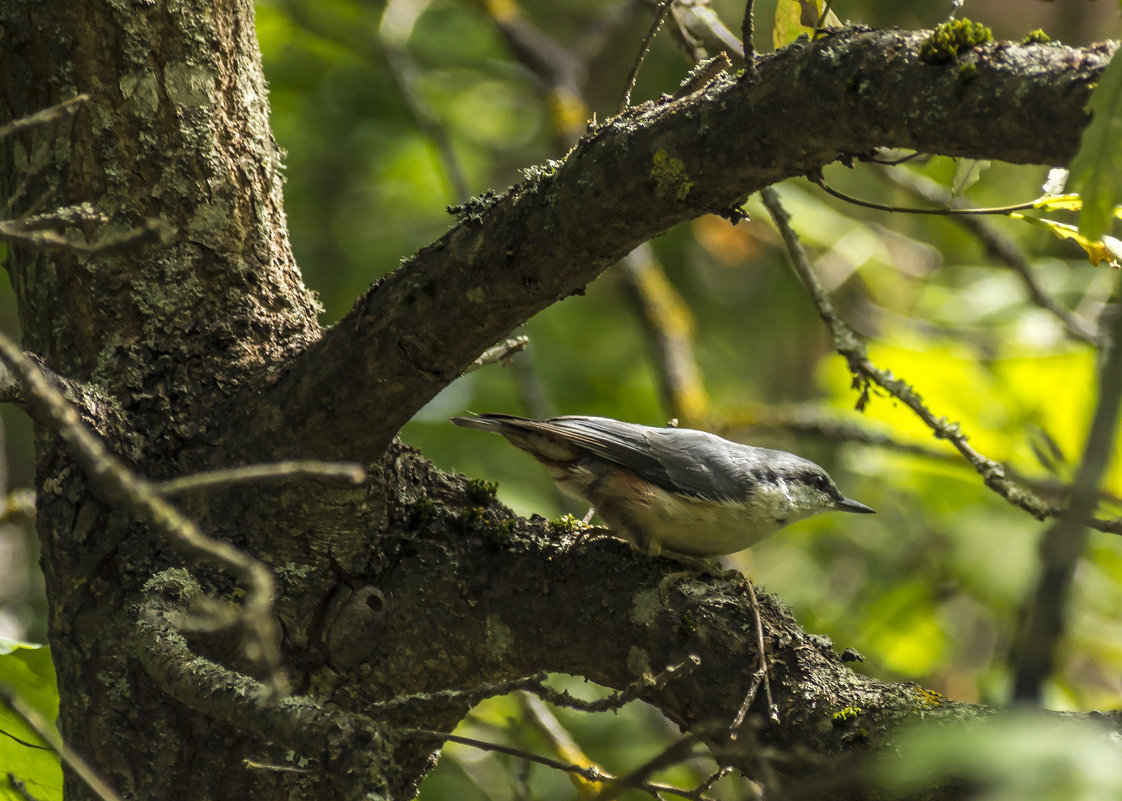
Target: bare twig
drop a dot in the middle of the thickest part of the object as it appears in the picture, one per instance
(700, 31)
(713, 778)
(941, 212)
(747, 39)
(120, 486)
(46, 732)
(865, 373)
(589, 773)
(466, 698)
(810, 420)
(18, 503)
(1063, 543)
(218, 479)
(823, 16)
(150, 231)
(660, 15)
(502, 353)
(674, 754)
(616, 700)
(273, 768)
(47, 116)
(558, 737)
(761, 673)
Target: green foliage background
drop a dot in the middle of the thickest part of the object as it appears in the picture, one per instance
(930, 588)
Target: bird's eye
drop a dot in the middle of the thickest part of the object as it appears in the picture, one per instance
(820, 482)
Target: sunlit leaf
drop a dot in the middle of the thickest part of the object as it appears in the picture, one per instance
(26, 669)
(1107, 248)
(1068, 202)
(794, 18)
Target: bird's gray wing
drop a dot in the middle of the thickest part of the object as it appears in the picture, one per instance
(678, 460)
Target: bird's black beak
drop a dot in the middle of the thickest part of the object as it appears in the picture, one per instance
(846, 505)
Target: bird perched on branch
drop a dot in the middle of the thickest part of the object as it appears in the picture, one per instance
(673, 489)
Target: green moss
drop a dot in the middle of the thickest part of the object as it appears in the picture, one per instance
(929, 698)
(951, 38)
(967, 71)
(844, 717)
(487, 523)
(687, 626)
(567, 524)
(670, 175)
(1036, 37)
(481, 492)
(422, 511)
(499, 532)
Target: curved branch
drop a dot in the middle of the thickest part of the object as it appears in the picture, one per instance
(351, 748)
(636, 176)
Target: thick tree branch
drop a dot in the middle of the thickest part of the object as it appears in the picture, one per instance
(636, 176)
(642, 626)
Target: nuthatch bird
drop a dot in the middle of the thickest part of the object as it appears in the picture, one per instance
(673, 489)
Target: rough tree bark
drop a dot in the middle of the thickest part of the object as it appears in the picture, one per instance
(204, 351)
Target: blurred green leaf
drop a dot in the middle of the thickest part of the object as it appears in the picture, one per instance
(1010, 757)
(1096, 170)
(966, 174)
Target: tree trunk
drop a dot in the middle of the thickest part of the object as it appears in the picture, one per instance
(404, 601)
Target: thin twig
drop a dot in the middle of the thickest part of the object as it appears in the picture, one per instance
(403, 71)
(466, 698)
(120, 486)
(761, 673)
(616, 700)
(502, 353)
(541, 717)
(674, 754)
(822, 17)
(590, 773)
(865, 373)
(713, 778)
(1063, 543)
(699, 31)
(747, 39)
(219, 479)
(17, 503)
(151, 231)
(942, 212)
(57, 112)
(46, 732)
(633, 76)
